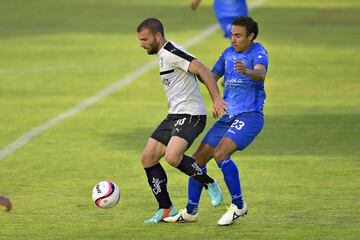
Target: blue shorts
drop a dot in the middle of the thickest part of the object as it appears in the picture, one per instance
(242, 129)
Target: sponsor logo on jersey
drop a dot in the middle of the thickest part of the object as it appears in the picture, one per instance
(166, 82)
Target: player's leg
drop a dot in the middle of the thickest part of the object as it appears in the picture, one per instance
(205, 152)
(155, 173)
(230, 171)
(157, 180)
(185, 131)
(226, 23)
(202, 155)
(227, 12)
(189, 214)
(174, 155)
(198, 177)
(4, 201)
(241, 133)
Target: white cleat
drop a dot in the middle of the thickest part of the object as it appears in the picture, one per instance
(232, 214)
(182, 217)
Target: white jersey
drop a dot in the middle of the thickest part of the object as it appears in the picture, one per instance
(180, 85)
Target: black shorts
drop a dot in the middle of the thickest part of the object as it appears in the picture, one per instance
(185, 126)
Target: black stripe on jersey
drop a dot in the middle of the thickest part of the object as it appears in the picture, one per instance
(178, 52)
(166, 72)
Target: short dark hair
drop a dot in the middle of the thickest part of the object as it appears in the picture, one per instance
(153, 24)
(249, 23)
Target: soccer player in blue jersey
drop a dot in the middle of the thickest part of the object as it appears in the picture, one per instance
(226, 12)
(243, 66)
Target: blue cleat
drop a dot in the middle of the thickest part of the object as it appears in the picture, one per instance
(161, 214)
(214, 193)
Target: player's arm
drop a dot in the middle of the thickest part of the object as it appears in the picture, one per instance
(257, 74)
(209, 81)
(215, 76)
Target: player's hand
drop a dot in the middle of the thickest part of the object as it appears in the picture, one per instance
(6, 202)
(194, 4)
(219, 107)
(240, 67)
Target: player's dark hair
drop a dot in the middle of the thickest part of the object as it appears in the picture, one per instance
(153, 24)
(249, 23)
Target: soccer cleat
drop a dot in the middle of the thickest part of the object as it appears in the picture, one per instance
(214, 193)
(232, 214)
(182, 217)
(161, 214)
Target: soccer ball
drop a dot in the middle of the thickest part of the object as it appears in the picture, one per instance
(106, 194)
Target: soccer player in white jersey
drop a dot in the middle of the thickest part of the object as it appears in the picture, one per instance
(186, 117)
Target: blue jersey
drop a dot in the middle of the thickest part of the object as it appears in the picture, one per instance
(230, 8)
(242, 93)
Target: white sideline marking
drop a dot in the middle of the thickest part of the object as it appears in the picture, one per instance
(25, 138)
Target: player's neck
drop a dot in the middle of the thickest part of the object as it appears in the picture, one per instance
(248, 47)
(162, 42)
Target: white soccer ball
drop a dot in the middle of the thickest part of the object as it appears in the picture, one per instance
(106, 194)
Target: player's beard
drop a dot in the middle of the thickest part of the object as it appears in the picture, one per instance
(154, 48)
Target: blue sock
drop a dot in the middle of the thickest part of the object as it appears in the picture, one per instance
(194, 193)
(232, 180)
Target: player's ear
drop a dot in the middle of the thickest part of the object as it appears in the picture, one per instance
(158, 36)
(251, 36)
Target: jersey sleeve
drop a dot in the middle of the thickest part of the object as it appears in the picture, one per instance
(219, 67)
(261, 57)
(178, 58)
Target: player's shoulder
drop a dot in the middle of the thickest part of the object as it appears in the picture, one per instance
(171, 46)
(258, 47)
(228, 51)
(172, 49)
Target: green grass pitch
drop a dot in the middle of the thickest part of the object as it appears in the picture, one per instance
(300, 177)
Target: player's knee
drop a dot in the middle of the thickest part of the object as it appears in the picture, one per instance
(148, 159)
(219, 155)
(201, 158)
(173, 159)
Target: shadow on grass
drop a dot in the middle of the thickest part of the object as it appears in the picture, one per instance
(47, 17)
(283, 135)
(314, 26)
(326, 134)
(309, 26)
